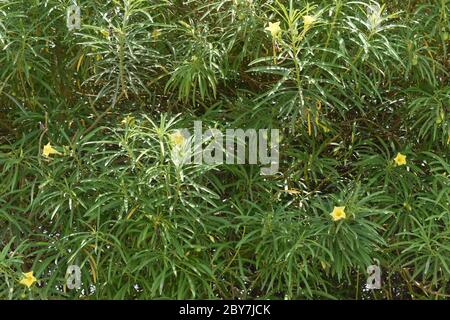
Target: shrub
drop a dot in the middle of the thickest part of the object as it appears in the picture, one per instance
(359, 90)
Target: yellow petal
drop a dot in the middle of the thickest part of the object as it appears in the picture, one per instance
(400, 159)
(177, 138)
(156, 34)
(308, 21)
(105, 33)
(128, 120)
(28, 279)
(338, 213)
(49, 150)
(274, 28)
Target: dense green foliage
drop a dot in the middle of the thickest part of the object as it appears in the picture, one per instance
(351, 85)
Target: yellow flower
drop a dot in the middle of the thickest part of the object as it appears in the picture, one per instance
(127, 120)
(324, 265)
(441, 117)
(105, 33)
(48, 150)
(407, 206)
(28, 279)
(400, 159)
(274, 28)
(156, 34)
(338, 213)
(177, 138)
(308, 21)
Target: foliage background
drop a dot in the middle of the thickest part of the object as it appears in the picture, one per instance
(365, 81)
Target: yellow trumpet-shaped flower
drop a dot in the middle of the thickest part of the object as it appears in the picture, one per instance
(28, 279)
(155, 34)
(338, 213)
(400, 159)
(128, 120)
(105, 33)
(49, 150)
(308, 21)
(177, 138)
(274, 28)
